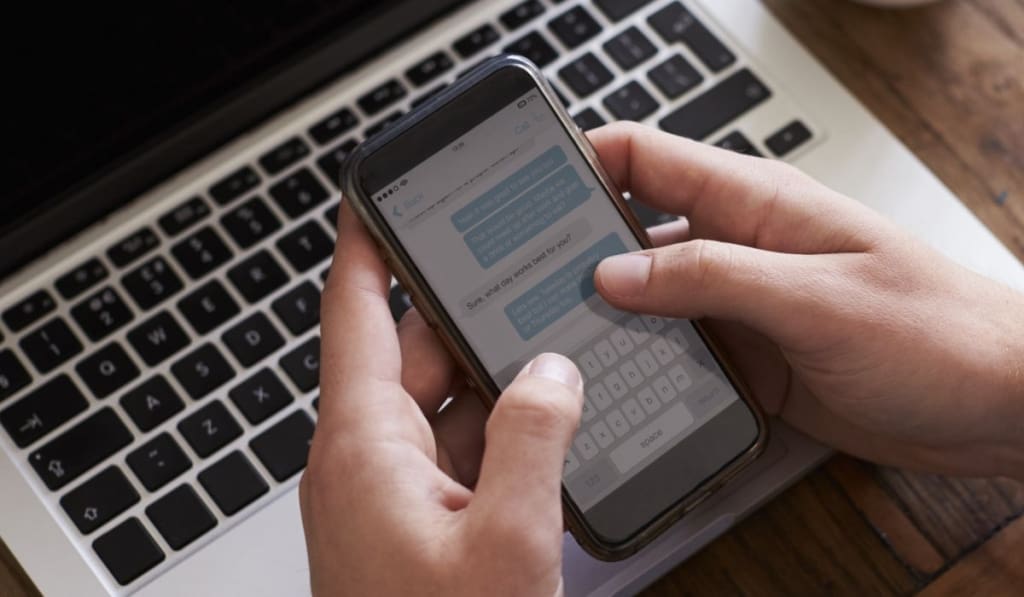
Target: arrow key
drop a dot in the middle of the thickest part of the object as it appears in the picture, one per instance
(99, 499)
(158, 461)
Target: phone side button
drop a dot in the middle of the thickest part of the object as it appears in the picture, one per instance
(651, 438)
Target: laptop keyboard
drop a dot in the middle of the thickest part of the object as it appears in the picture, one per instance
(161, 387)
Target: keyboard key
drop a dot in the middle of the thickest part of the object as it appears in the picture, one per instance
(299, 308)
(677, 340)
(233, 483)
(520, 14)
(82, 278)
(284, 155)
(181, 517)
(617, 423)
(650, 438)
(631, 102)
(133, 246)
(605, 353)
(384, 123)
(631, 373)
(42, 410)
(675, 76)
(184, 216)
(101, 313)
(715, 108)
(298, 193)
(152, 403)
(209, 429)
(476, 40)
(157, 338)
(629, 48)
(29, 310)
(429, 68)
(201, 253)
(331, 215)
(250, 222)
(588, 361)
(381, 97)
(534, 47)
(80, 448)
(399, 301)
(598, 395)
(303, 364)
(788, 138)
(637, 330)
(208, 307)
(633, 412)
(128, 551)
(616, 10)
(306, 246)
(202, 371)
(334, 126)
(151, 283)
(602, 434)
(585, 75)
(674, 23)
(50, 345)
(662, 351)
(648, 364)
(736, 141)
(331, 161)
(574, 26)
(257, 276)
(252, 339)
(589, 119)
(260, 396)
(107, 370)
(586, 445)
(158, 461)
(284, 448)
(93, 503)
(13, 375)
(649, 400)
(235, 185)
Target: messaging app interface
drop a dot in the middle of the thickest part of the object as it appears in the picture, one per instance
(507, 225)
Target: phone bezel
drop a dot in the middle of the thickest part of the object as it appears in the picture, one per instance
(437, 317)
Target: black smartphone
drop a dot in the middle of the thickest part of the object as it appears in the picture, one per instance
(493, 211)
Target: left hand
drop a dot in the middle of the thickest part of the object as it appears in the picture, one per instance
(399, 499)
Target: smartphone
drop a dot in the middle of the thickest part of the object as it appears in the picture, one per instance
(491, 208)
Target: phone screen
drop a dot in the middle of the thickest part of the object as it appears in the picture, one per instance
(506, 223)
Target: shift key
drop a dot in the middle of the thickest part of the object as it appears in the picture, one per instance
(80, 448)
(651, 438)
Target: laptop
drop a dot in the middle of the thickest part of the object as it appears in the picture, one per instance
(168, 220)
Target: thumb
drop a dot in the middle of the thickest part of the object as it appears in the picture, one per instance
(527, 436)
(777, 294)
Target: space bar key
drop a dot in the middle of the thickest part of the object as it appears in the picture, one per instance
(651, 438)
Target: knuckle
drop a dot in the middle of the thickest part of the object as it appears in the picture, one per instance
(537, 404)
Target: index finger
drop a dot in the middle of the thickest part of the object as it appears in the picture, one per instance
(359, 352)
(727, 196)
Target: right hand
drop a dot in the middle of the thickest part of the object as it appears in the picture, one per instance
(842, 324)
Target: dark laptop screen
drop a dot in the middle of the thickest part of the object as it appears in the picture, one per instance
(94, 84)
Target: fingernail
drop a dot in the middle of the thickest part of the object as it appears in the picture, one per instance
(625, 275)
(555, 367)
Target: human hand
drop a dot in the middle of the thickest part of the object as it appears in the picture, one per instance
(841, 323)
(399, 499)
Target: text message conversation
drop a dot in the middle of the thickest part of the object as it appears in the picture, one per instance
(507, 224)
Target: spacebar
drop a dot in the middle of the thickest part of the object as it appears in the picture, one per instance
(652, 437)
(717, 107)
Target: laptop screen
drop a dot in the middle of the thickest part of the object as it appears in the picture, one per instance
(94, 84)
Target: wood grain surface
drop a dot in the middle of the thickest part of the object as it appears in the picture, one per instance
(948, 79)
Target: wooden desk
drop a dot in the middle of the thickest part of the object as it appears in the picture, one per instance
(949, 80)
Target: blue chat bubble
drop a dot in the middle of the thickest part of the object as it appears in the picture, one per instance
(484, 205)
(527, 216)
(560, 292)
